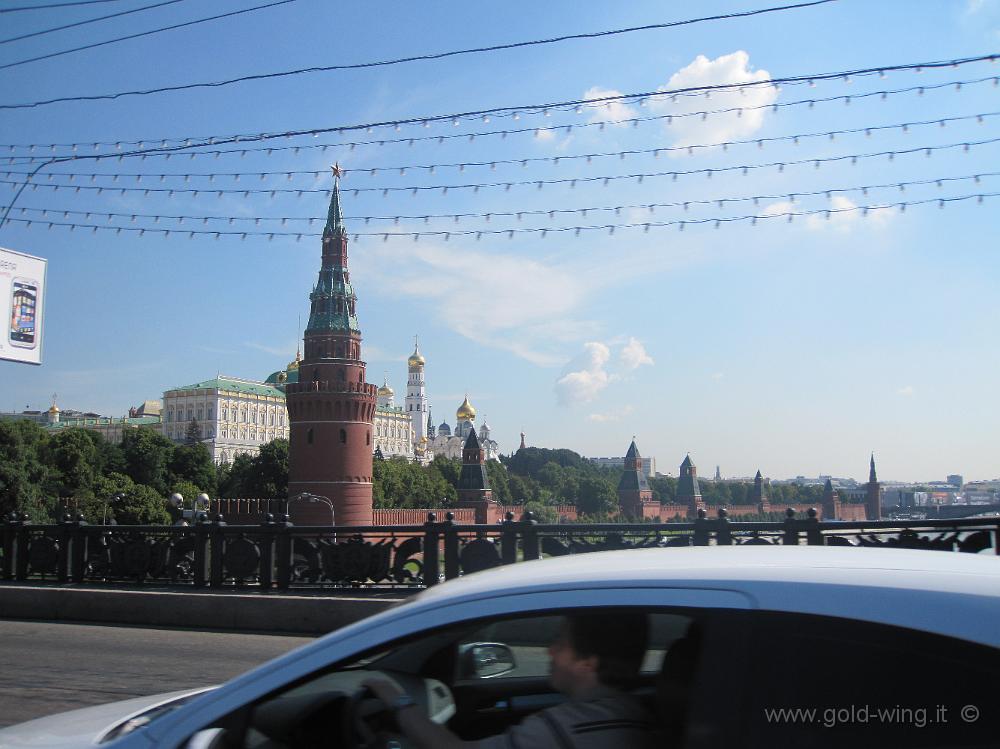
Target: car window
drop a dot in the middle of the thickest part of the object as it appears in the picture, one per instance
(826, 682)
(528, 639)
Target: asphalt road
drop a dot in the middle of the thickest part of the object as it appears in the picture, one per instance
(48, 667)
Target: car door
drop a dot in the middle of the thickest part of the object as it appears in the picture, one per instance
(820, 682)
(420, 617)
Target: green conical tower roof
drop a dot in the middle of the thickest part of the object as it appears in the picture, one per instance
(335, 216)
(332, 301)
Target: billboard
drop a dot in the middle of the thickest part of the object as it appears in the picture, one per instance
(22, 298)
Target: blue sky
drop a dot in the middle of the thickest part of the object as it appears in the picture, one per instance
(794, 347)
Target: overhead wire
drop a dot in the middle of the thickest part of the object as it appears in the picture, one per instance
(86, 22)
(550, 213)
(440, 55)
(753, 219)
(795, 138)
(138, 148)
(544, 108)
(572, 182)
(173, 27)
(56, 5)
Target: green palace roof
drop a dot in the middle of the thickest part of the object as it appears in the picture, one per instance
(130, 421)
(233, 385)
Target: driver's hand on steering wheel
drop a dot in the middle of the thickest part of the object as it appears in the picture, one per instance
(384, 689)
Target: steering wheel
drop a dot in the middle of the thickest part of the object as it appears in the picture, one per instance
(356, 729)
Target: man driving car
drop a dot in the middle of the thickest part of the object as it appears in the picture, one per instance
(595, 656)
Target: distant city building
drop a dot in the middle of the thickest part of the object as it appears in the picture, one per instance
(648, 464)
(955, 479)
(110, 428)
(232, 416)
(451, 442)
(392, 426)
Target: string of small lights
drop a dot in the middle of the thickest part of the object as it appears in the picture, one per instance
(753, 219)
(139, 146)
(719, 203)
(475, 187)
(578, 104)
(903, 127)
(55, 5)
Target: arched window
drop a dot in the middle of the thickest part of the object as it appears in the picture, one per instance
(309, 437)
(368, 438)
(343, 436)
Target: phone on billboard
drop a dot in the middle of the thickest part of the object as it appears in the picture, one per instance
(23, 312)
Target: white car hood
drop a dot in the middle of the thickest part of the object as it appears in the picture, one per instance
(84, 727)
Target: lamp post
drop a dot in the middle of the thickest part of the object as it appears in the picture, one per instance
(311, 498)
(195, 514)
(115, 498)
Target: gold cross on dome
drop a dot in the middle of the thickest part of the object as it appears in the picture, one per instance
(338, 171)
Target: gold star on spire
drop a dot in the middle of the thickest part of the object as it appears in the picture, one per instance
(338, 172)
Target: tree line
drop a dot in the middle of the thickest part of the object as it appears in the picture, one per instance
(41, 472)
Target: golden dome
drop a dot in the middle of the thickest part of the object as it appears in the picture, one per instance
(416, 358)
(294, 365)
(54, 409)
(385, 390)
(465, 411)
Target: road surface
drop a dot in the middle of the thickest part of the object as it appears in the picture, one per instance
(50, 667)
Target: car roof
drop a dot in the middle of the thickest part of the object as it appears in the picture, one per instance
(951, 593)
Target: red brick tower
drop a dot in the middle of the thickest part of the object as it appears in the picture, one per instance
(635, 498)
(331, 407)
(873, 495)
(473, 483)
(688, 492)
(831, 502)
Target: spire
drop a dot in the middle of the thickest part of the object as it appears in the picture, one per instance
(633, 450)
(872, 478)
(335, 216)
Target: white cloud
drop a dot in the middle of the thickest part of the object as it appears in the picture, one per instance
(545, 135)
(716, 128)
(587, 382)
(906, 391)
(612, 112)
(506, 301)
(778, 209)
(717, 376)
(634, 355)
(844, 218)
(602, 418)
(273, 350)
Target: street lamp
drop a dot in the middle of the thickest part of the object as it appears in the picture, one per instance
(196, 513)
(312, 498)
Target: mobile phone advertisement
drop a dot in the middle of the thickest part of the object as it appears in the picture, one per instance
(22, 297)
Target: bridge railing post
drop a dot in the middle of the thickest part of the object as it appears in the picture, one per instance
(814, 536)
(62, 556)
(283, 556)
(723, 531)
(200, 564)
(451, 559)
(529, 537)
(217, 548)
(266, 544)
(431, 538)
(508, 539)
(10, 546)
(790, 533)
(701, 528)
(23, 542)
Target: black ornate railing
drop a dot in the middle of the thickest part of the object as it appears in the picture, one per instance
(279, 555)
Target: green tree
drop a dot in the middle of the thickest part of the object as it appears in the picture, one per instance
(193, 432)
(147, 456)
(498, 477)
(270, 470)
(23, 473)
(192, 463)
(76, 458)
(238, 478)
(141, 505)
(596, 497)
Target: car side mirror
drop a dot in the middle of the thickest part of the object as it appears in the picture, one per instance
(484, 660)
(208, 738)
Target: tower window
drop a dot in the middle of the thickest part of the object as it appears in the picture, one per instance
(368, 438)
(343, 436)
(309, 436)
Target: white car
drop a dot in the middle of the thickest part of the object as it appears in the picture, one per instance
(783, 647)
